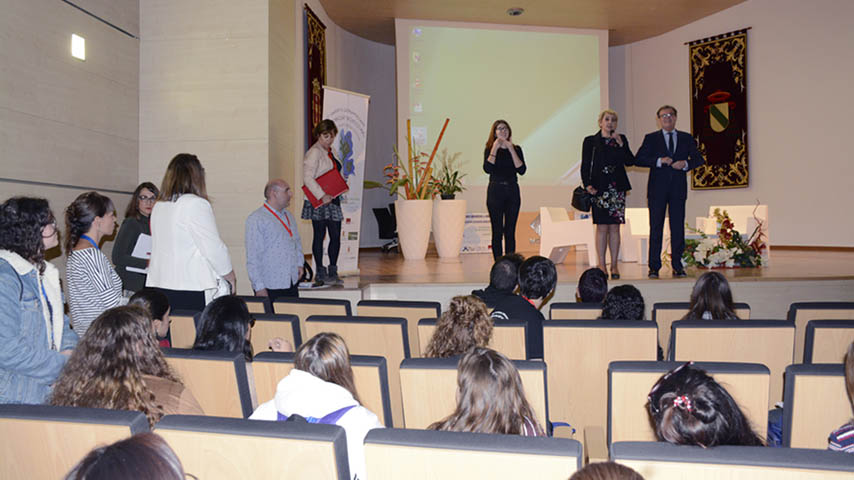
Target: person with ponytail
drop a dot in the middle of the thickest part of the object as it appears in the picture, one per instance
(92, 282)
(688, 407)
(33, 327)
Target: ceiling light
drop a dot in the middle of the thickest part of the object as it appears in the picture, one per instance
(78, 47)
(515, 11)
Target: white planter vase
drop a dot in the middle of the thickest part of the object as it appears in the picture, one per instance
(449, 219)
(413, 226)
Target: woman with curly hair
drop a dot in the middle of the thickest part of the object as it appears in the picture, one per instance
(465, 325)
(711, 299)
(688, 407)
(490, 398)
(93, 284)
(321, 389)
(623, 302)
(135, 225)
(33, 327)
(118, 365)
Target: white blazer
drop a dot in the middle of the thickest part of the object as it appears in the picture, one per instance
(186, 251)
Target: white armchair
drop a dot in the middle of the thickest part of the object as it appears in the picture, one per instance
(635, 236)
(558, 233)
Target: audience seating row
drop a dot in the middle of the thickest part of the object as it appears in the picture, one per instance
(221, 448)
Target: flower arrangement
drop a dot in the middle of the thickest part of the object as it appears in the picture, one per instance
(728, 250)
(449, 180)
(411, 179)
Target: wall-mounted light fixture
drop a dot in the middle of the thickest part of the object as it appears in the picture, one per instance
(78, 47)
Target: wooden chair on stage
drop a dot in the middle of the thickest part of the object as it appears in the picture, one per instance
(509, 337)
(270, 325)
(802, 312)
(429, 386)
(217, 448)
(826, 341)
(218, 380)
(411, 311)
(578, 353)
(306, 307)
(815, 404)
(665, 313)
(767, 342)
(370, 374)
(629, 384)
(574, 311)
(379, 336)
(666, 461)
(45, 442)
(392, 454)
(558, 233)
(183, 328)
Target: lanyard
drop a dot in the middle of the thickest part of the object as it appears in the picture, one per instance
(280, 219)
(89, 239)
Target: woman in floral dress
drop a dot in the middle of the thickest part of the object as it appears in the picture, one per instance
(604, 157)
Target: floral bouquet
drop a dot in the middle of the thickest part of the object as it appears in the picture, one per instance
(728, 250)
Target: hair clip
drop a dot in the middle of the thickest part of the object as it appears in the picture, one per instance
(683, 402)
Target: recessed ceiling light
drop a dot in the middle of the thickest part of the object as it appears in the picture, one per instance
(515, 11)
(78, 47)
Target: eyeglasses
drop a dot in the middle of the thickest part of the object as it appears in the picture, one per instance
(50, 227)
(667, 115)
(146, 199)
(653, 397)
(501, 127)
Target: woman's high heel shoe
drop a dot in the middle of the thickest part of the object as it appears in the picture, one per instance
(615, 276)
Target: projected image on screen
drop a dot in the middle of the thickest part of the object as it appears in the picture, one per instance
(546, 85)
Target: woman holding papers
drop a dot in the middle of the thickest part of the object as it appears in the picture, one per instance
(327, 216)
(133, 243)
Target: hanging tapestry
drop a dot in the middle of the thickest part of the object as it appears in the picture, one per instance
(719, 110)
(315, 72)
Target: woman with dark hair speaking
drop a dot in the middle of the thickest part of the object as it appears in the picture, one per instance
(33, 327)
(328, 216)
(135, 224)
(189, 261)
(503, 161)
(93, 284)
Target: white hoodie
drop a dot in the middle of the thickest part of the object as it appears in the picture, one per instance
(304, 394)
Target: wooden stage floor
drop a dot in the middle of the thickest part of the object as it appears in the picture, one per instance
(377, 267)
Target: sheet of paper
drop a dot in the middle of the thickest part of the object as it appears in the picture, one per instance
(142, 249)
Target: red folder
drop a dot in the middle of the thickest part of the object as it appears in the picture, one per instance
(331, 182)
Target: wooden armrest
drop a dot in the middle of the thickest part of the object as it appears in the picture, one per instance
(595, 447)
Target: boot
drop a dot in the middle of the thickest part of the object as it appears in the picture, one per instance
(319, 277)
(333, 278)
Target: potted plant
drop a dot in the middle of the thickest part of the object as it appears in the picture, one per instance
(449, 214)
(410, 180)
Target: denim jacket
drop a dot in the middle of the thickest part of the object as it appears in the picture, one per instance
(31, 335)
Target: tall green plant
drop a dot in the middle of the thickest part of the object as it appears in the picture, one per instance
(449, 180)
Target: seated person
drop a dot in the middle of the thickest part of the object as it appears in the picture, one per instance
(463, 326)
(321, 389)
(623, 302)
(688, 407)
(490, 398)
(711, 299)
(842, 439)
(144, 456)
(606, 471)
(503, 279)
(156, 303)
(537, 281)
(592, 286)
(226, 325)
(118, 365)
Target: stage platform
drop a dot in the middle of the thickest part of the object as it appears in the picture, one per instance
(793, 275)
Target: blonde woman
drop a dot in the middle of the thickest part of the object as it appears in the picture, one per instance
(320, 388)
(465, 325)
(490, 398)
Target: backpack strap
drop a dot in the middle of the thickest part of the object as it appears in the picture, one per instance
(328, 419)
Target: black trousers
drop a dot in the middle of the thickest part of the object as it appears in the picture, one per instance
(657, 210)
(275, 293)
(320, 227)
(503, 202)
(185, 299)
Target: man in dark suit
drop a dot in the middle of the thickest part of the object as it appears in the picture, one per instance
(669, 154)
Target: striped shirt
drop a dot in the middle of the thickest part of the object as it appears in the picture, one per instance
(93, 287)
(842, 440)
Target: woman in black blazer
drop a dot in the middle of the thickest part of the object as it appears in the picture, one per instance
(604, 157)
